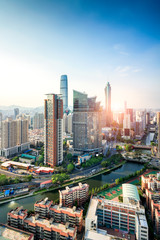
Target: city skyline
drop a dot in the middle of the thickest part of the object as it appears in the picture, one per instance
(91, 43)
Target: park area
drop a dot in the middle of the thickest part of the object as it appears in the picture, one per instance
(114, 192)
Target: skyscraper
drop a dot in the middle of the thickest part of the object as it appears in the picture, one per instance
(108, 104)
(64, 91)
(53, 125)
(86, 123)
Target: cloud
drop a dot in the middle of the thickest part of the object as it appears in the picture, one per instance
(124, 53)
(123, 69)
(120, 49)
(137, 70)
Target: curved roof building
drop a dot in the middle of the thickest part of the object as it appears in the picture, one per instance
(130, 193)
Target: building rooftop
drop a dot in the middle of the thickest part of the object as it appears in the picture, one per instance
(66, 209)
(95, 235)
(58, 227)
(7, 233)
(44, 202)
(8, 163)
(19, 211)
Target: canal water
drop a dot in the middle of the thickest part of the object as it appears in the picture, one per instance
(28, 203)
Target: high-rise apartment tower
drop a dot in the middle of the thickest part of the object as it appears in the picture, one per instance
(53, 130)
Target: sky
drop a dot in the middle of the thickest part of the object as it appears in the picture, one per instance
(91, 41)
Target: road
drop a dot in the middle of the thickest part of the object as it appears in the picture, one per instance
(76, 173)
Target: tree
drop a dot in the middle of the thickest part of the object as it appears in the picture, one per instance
(117, 181)
(120, 198)
(69, 156)
(59, 178)
(17, 180)
(3, 180)
(70, 167)
(16, 159)
(128, 147)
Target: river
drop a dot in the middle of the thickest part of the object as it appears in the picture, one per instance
(28, 203)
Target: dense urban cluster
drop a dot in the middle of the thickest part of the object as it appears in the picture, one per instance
(60, 148)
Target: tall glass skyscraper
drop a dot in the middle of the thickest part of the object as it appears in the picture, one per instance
(64, 91)
(108, 104)
(87, 117)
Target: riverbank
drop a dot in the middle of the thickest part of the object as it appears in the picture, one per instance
(74, 181)
(96, 181)
(82, 179)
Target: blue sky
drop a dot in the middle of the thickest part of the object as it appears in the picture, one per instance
(91, 41)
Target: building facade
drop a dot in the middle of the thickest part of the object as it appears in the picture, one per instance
(53, 130)
(108, 104)
(87, 115)
(14, 136)
(38, 121)
(64, 91)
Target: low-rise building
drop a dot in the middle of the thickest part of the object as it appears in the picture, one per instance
(78, 194)
(44, 170)
(46, 184)
(118, 218)
(9, 164)
(15, 218)
(47, 229)
(71, 215)
(46, 209)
